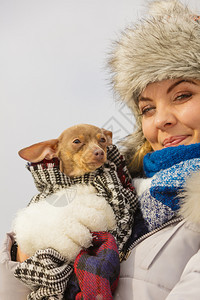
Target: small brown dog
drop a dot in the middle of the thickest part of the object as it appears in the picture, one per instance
(81, 149)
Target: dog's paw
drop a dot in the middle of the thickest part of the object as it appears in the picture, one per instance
(77, 232)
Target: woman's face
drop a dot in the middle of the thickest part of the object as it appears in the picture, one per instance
(171, 113)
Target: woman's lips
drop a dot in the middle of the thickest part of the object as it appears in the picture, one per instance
(174, 140)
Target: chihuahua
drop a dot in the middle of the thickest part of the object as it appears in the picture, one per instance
(81, 149)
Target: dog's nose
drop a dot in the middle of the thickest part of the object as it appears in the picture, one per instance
(99, 154)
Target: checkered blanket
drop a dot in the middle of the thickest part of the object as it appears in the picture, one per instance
(47, 273)
(112, 181)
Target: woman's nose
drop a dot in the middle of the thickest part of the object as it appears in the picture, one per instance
(164, 118)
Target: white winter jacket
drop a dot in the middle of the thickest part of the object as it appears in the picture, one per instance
(10, 287)
(165, 264)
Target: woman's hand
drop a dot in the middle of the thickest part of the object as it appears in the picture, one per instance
(20, 255)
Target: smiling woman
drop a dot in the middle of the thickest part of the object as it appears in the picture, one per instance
(170, 113)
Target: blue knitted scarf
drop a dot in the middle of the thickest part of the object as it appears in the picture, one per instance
(166, 171)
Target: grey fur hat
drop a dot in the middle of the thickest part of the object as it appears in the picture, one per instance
(164, 45)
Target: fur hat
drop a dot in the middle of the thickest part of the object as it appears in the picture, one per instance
(164, 45)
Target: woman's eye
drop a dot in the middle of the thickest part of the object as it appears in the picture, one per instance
(102, 140)
(147, 110)
(183, 97)
(76, 141)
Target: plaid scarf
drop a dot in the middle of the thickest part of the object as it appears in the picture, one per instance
(113, 182)
(96, 270)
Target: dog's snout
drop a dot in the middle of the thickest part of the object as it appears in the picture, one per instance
(99, 154)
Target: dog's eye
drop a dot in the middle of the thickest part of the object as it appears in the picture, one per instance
(76, 141)
(102, 140)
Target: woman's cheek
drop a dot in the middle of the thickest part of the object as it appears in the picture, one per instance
(149, 130)
(189, 116)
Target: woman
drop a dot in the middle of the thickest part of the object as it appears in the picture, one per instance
(156, 71)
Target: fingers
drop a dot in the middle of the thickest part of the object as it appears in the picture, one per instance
(20, 255)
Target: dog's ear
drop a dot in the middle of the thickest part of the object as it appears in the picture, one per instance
(40, 151)
(108, 134)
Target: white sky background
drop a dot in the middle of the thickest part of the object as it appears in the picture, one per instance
(52, 76)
